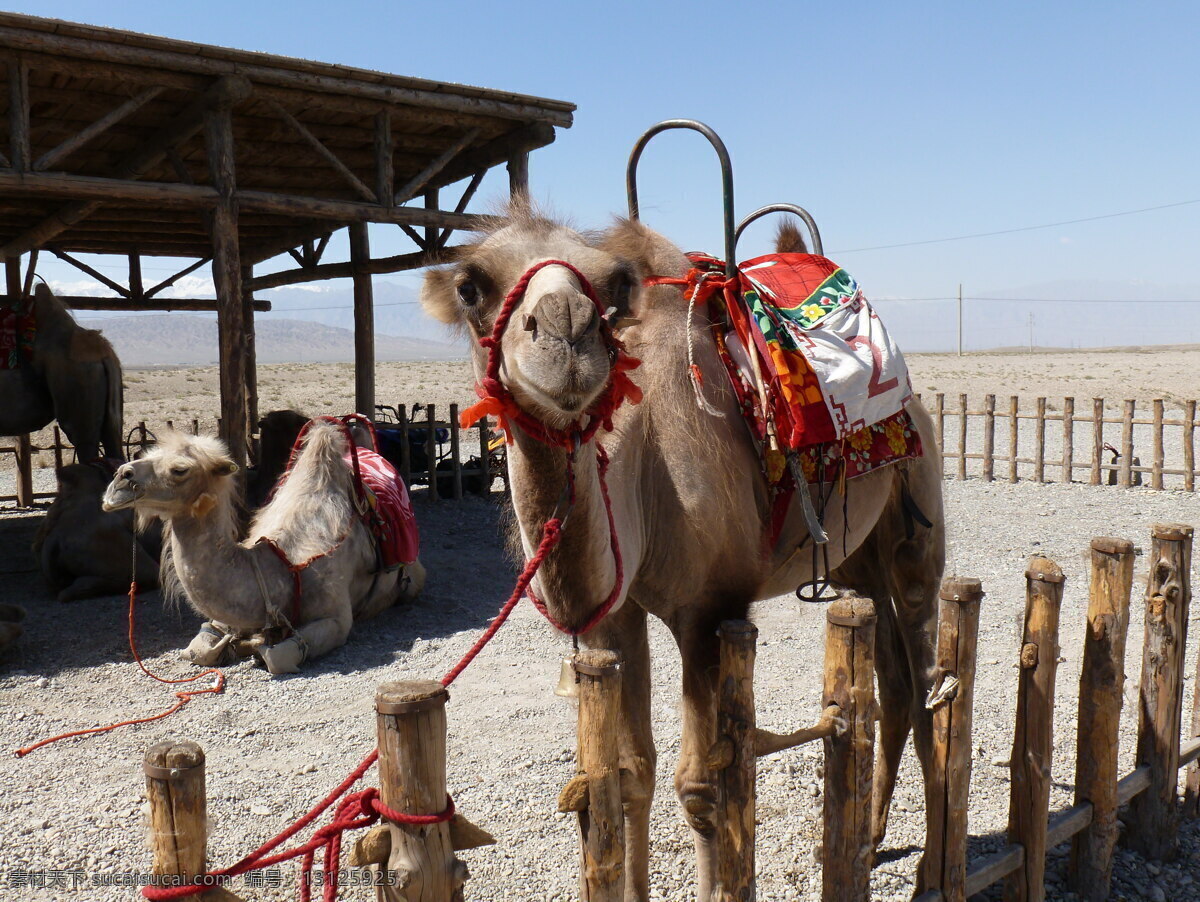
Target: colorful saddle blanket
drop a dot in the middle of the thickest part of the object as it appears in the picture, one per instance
(18, 328)
(396, 524)
(813, 367)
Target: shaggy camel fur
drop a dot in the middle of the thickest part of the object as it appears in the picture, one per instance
(72, 375)
(243, 588)
(84, 551)
(689, 503)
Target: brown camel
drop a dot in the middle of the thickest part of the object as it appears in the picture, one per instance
(70, 374)
(243, 588)
(688, 500)
(84, 551)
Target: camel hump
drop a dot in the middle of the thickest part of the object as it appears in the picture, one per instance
(788, 239)
(90, 346)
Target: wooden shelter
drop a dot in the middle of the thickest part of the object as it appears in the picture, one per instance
(129, 144)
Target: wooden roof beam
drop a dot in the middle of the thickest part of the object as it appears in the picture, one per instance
(422, 178)
(209, 305)
(99, 127)
(346, 270)
(324, 152)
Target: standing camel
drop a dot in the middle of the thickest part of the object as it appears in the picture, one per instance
(244, 588)
(689, 506)
(69, 374)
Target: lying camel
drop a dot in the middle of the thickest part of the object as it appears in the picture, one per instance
(85, 552)
(245, 588)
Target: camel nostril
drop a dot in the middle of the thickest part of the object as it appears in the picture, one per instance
(531, 324)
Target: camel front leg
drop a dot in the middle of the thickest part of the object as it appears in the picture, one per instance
(310, 641)
(625, 631)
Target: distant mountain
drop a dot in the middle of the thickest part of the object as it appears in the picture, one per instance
(180, 339)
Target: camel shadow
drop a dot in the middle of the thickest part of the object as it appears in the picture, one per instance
(469, 576)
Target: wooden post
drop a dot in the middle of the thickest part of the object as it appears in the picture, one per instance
(1126, 478)
(735, 782)
(1156, 466)
(1068, 441)
(1097, 439)
(24, 456)
(364, 322)
(602, 820)
(962, 437)
(847, 848)
(431, 451)
(405, 450)
(485, 456)
(227, 277)
(1039, 447)
(1033, 744)
(250, 356)
(58, 449)
(944, 864)
(1153, 819)
(456, 488)
(1100, 688)
(1013, 427)
(178, 816)
(939, 419)
(410, 718)
(518, 175)
(989, 437)
(1189, 447)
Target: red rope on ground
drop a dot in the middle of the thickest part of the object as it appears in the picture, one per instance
(184, 697)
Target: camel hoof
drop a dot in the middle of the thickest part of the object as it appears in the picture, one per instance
(209, 648)
(284, 657)
(699, 809)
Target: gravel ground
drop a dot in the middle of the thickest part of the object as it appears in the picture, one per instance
(275, 745)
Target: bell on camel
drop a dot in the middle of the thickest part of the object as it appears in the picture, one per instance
(567, 686)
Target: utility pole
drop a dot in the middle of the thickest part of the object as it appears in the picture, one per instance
(960, 319)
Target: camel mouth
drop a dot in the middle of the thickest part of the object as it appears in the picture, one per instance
(119, 497)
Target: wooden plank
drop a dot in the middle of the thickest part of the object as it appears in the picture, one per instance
(364, 322)
(1068, 440)
(996, 866)
(97, 128)
(1099, 723)
(1153, 819)
(95, 274)
(1033, 742)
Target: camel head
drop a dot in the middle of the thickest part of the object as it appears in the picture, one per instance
(555, 361)
(184, 475)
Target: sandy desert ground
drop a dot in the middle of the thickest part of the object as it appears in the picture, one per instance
(276, 744)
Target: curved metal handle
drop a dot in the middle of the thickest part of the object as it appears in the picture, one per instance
(811, 223)
(726, 178)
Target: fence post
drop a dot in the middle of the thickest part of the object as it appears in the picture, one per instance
(1126, 478)
(846, 849)
(178, 815)
(939, 418)
(1013, 423)
(405, 450)
(1189, 447)
(58, 449)
(456, 487)
(24, 453)
(602, 819)
(989, 437)
(735, 781)
(1039, 448)
(962, 437)
(1098, 738)
(1153, 819)
(1068, 441)
(944, 864)
(410, 719)
(485, 456)
(1156, 465)
(1033, 743)
(1097, 439)
(431, 451)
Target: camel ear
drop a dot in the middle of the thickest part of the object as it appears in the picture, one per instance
(437, 295)
(225, 468)
(204, 504)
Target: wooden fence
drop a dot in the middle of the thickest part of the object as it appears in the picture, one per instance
(412, 730)
(1046, 450)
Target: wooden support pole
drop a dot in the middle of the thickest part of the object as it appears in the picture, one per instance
(989, 438)
(385, 153)
(410, 718)
(944, 865)
(1013, 432)
(250, 356)
(1097, 439)
(1039, 447)
(485, 456)
(431, 232)
(518, 174)
(1100, 688)
(602, 820)
(1126, 478)
(364, 322)
(18, 115)
(431, 451)
(178, 810)
(1156, 466)
(405, 449)
(1153, 819)
(24, 455)
(939, 419)
(456, 486)
(735, 781)
(1033, 744)
(962, 437)
(1191, 791)
(1189, 448)
(1068, 441)
(846, 850)
(227, 277)
(58, 449)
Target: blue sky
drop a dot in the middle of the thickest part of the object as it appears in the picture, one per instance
(890, 122)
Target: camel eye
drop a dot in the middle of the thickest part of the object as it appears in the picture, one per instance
(468, 293)
(179, 471)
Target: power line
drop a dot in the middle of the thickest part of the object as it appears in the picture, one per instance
(1047, 225)
(1049, 300)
